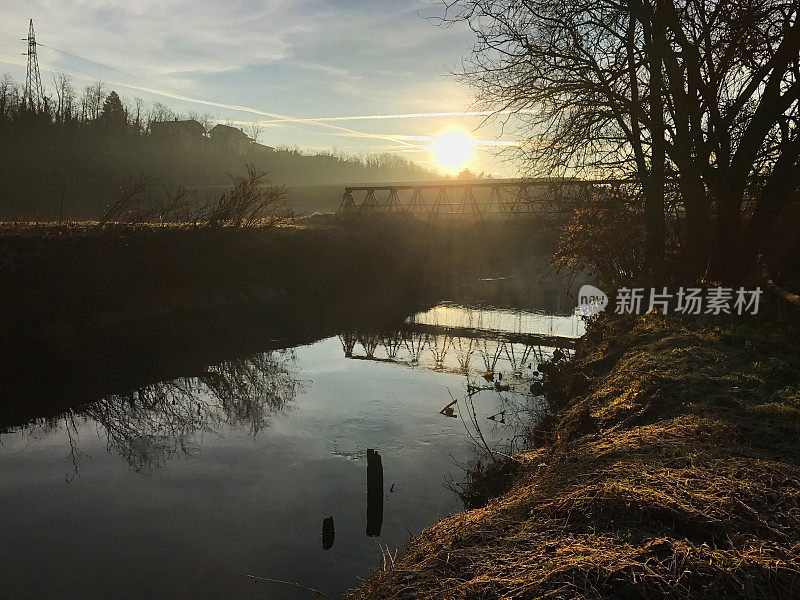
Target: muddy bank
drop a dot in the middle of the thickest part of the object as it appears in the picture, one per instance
(669, 468)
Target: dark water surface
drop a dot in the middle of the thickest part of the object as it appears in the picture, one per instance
(182, 488)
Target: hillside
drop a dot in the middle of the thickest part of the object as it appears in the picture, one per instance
(72, 159)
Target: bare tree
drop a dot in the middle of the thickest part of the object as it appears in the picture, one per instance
(65, 97)
(577, 77)
(9, 97)
(92, 100)
(733, 84)
(251, 201)
(136, 110)
(254, 130)
(160, 112)
(704, 90)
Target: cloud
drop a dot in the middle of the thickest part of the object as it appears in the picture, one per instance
(362, 62)
(165, 38)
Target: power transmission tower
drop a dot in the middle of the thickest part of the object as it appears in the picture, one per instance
(33, 97)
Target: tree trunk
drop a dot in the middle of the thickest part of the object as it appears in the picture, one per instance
(780, 188)
(654, 221)
(654, 192)
(698, 223)
(727, 249)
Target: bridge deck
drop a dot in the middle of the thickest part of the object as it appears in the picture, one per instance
(483, 183)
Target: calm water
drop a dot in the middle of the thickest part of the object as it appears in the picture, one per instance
(183, 488)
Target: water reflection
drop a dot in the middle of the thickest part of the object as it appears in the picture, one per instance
(230, 500)
(498, 352)
(451, 353)
(149, 425)
(456, 339)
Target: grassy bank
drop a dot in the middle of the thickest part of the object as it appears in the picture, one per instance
(67, 280)
(669, 468)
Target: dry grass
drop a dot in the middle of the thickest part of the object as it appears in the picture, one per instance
(663, 479)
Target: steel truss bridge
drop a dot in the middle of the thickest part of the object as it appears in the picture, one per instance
(477, 199)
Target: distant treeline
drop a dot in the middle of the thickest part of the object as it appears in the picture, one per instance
(70, 156)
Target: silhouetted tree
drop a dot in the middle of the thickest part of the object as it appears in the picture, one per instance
(579, 77)
(9, 98)
(64, 107)
(704, 90)
(92, 101)
(113, 115)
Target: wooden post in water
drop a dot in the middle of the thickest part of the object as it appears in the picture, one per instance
(374, 493)
(328, 533)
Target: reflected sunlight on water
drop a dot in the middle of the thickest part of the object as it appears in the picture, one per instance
(494, 319)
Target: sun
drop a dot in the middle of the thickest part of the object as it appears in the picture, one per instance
(452, 149)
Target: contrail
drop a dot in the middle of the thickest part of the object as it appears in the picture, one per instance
(256, 111)
(247, 109)
(426, 115)
(275, 118)
(428, 139)
(403, 140)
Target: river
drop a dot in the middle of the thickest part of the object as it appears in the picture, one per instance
(258, 465)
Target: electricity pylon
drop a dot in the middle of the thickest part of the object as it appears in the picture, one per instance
(33, 98)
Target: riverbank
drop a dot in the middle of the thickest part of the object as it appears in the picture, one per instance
(668, 468)
(62, 281)
(89, 311)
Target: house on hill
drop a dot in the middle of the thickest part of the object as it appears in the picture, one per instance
(232, 138)
(262, 148)
(187, 132)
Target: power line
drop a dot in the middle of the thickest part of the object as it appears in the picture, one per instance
(98, 64)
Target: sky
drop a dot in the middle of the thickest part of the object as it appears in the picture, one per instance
(303, 69)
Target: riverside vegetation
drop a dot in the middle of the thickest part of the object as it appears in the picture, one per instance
(668, 467)
(668, 464)
(139, 282)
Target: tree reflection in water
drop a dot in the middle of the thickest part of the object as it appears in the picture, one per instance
(150, 425)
